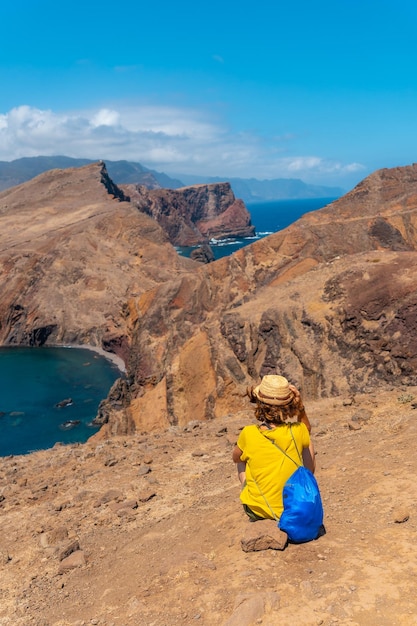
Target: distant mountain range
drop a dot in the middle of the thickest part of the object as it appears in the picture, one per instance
(124, 172)
(254, 190)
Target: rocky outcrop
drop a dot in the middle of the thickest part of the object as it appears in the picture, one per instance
(328, 302)
(72, 251)
(203, 254)
(194, 215)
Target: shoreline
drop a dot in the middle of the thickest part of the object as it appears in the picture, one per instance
(110, 356)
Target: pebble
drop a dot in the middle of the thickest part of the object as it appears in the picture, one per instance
(4, 557)
(401, 515)
(143, 470)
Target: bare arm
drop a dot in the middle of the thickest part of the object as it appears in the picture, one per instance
(309, 458)
(236, 454)
(304, 419)
(241, 465)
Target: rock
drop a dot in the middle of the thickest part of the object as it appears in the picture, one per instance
(74, 560)
(146, 494)
(127, 514)
(262, 535)
(203, 254)
(127, 504)
(250, 608)
(69, 549)
(4, 557)
(192, 215)
(192, 425)
(362, 416)
(110, 461)
(63, 403)
(69, 424)
(221, 432)
(143, 470)
(111, 494)
(54, 537)
(401, 515)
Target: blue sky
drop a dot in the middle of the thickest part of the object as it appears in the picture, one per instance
(322, 91)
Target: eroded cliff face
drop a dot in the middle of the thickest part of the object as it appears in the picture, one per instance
(329, 302)
(194, 215)
(72, 251)
(343, 327)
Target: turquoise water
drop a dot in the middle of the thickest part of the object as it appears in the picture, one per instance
(35, 380)
(268, 218)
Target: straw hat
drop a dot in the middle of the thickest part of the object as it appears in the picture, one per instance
(274, 390)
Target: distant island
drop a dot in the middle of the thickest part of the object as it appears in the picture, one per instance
(249, 190)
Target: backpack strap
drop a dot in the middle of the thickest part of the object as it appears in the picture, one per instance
(283, 451)
(296, 447)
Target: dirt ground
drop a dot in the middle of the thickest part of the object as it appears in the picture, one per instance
(147, 530)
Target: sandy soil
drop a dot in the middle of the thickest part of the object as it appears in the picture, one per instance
(146, 530)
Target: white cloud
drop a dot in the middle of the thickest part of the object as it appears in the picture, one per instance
(165, 138)
(105, 117)
(319, 165)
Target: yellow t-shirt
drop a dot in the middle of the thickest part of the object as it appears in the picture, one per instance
(268, 466)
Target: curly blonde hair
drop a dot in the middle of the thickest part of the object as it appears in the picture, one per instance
(277, 414)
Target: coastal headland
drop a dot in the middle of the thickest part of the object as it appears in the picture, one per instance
(327, 301)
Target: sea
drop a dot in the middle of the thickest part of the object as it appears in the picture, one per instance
(267, 217)
(51, 395)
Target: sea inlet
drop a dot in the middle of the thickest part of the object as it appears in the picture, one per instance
(50, 395)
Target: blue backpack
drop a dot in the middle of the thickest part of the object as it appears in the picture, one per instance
(302, 518)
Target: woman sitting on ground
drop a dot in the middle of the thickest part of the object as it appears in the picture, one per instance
(264, 469)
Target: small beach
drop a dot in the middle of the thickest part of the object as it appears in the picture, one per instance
(107, 355)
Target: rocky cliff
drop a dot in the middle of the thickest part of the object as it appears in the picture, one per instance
(329, 302)
(72, 252)
(194, 215)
